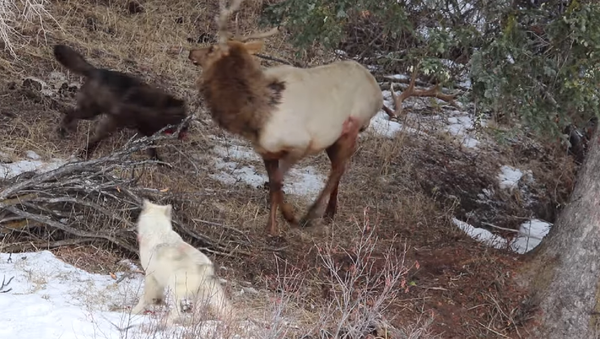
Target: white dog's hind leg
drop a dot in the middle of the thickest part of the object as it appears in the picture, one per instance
(179, 291)
(153, 293)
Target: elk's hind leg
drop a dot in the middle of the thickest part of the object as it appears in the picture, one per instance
(339, 153)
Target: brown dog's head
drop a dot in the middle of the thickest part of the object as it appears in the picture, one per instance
(205, 57)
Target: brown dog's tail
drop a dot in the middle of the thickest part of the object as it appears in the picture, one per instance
(72, 60)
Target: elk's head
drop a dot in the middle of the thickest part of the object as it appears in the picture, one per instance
(207, 56)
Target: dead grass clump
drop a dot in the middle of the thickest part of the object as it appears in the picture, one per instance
(90, 258)
(356, 285)
(16, 17)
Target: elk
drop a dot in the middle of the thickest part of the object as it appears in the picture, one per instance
(287, 113)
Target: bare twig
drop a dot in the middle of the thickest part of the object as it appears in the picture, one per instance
(5, 284)
(81, 200)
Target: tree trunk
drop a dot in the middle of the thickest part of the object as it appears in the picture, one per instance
(566, 265)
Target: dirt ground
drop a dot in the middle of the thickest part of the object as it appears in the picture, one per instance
(406, 188)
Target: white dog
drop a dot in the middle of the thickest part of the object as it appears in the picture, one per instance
(170, 262)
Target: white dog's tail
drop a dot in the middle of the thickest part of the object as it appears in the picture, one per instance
(213, 292)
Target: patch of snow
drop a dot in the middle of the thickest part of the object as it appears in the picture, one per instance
(481, 235)
(32, 155)
(387, 97)
(51, 299)
(231, 173)
(509, 177)
(460, 125)
(373, 68)
(470, 142)
(10, 170)
(303, 181)
(510, 59)
(530, 235)
(381, 125)
(397, 77)
(450, 64)
(237, 152)
(424, 31)
(465, 83)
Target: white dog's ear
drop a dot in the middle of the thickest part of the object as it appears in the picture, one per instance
(168, 210)
(146, 204)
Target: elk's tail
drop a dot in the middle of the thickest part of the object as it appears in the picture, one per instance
(72, 60)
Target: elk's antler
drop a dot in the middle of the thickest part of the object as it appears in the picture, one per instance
(223, 33)
(261, 35)
(222, 18)
(432, 92)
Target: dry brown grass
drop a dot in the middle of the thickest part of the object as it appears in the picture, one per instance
(453, 280)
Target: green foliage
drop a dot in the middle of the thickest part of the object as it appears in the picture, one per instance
(543, 68)
(535, 64)
(323, 21)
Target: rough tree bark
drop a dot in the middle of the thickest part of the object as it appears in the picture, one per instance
(566, 266)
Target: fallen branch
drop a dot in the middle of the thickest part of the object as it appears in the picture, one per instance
(5, 284)
(86, 201)
(410, 91)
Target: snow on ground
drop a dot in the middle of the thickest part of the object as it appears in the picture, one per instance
(458, 123)
(32, 163)
(459, 127)
(509, 177)
(481, 234)
(302, 181)
(50, 299)
(530, 235)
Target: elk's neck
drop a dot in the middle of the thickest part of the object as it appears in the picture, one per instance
(239, 95)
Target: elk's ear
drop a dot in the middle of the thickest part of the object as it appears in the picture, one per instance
(254, 47)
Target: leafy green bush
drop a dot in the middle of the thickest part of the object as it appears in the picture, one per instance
(538, 64)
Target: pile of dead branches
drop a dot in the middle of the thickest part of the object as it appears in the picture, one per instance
(95, 201)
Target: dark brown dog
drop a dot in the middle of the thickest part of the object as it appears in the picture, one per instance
(125, 100)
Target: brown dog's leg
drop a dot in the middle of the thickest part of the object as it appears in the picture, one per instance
(339, 153)
(67, 124)
(152, 153)
(84, 111)
(104, 128)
